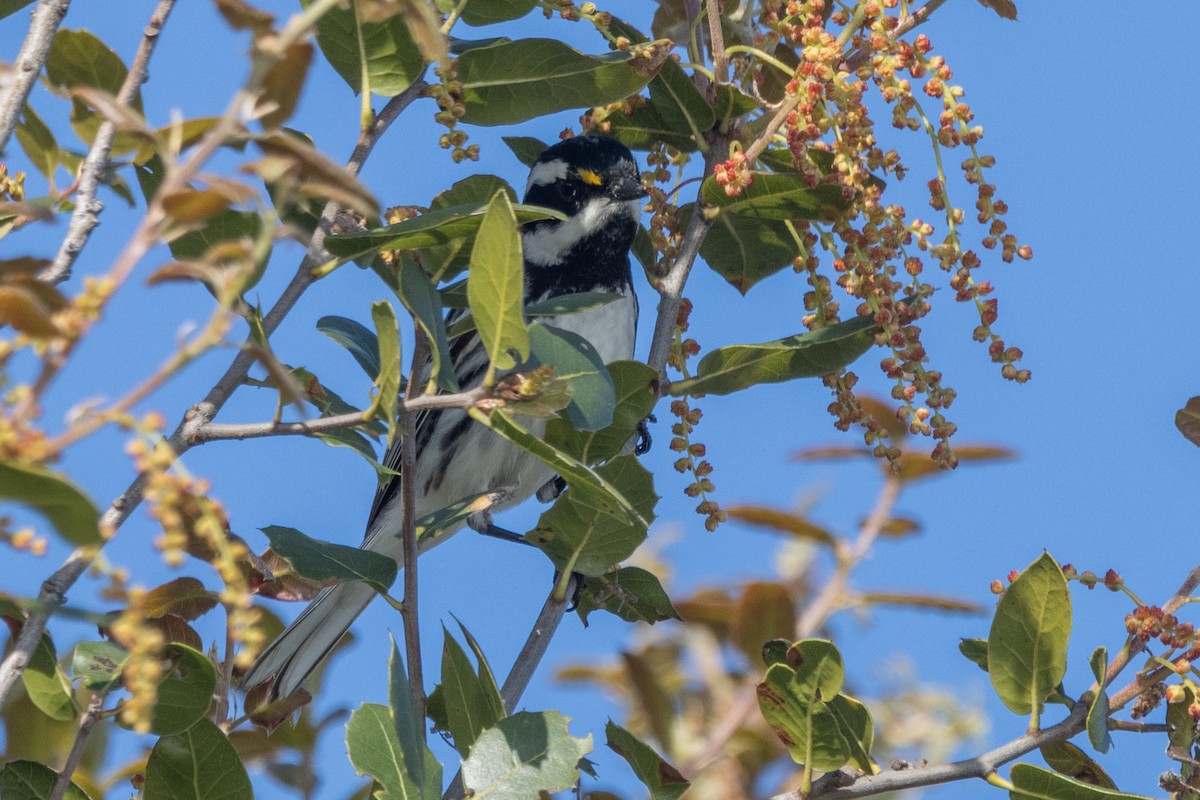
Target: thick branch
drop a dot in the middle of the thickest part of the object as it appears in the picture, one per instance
(31, 59)
(536, 644)
(829, 788)
(87, 208)
(53, 591)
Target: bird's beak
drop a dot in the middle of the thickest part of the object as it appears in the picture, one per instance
(627, 188)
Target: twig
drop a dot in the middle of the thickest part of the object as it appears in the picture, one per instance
(87, 208)
(860, 57)
(53, 591)
(76, 755)
(670, 287)
(408, 530)
(543, 630)
(211, 432)
(533, 650)
(34, 52)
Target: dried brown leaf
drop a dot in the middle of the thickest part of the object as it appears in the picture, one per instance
(919, 465)
(1005, 8)
(26, 211)
(1187, 420)
(784, 521)
(830, 453)
(899, 526)
(189, 206)
(764, 612)
(915, 600)
(283, 82)
(242, 16)
(186, 598)
(106, 105)
(288, 155)
(885, 415)
(281, 582)
(21, 308)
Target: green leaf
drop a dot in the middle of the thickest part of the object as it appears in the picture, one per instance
(575, 361)
(392, 59)
(446, 261)
(805, 355)
(975, 651)
(732, 103)
(1066, 758)
(38, 142)
(775, 195)
(1034, 783)
(745, 250)
(29, 780)
(525, 148)
(67, 508)
(409, 728)
(470, 698)
(1027, 645)
(436, 227)
(497, 287)
(799, 697)
(78, 58)
(1182, 726)
(185, 692)
(662, 779)
(588, 483)
(630, 593)
(355, 337)
(634, 388)
(856, 727)
(764, 611)
(487, 679)
(375, 751)
(1097, 717)
(523, 755)
(510, 82)
(645, 129)
(98, 665)
(387, 337)
(47, 684)
(420, 297)
(326, 561)
(486, 12)
(581, 536)
(8, 7)
(197, 764)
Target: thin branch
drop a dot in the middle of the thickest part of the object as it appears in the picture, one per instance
(408, 529)
(86, 723)
(34, 52)
(87, 208)
(211, 432)
(53, 591)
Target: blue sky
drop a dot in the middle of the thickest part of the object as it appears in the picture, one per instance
(1090, 115)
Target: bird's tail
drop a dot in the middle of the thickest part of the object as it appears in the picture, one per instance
(301, 648)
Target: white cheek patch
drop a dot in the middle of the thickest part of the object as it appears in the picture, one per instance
(547, 172)
(548, 244)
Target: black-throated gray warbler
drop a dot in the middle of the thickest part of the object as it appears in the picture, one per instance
(594, 181)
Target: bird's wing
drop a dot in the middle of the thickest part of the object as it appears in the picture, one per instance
(469, 362)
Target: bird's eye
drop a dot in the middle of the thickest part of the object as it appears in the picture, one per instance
(569, 189)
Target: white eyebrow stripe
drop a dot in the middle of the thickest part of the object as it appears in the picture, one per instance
(547, 172)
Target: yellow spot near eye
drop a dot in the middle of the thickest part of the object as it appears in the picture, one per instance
(591, 177)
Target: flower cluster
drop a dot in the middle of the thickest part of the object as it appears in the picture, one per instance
(448, 95)
(691, 453)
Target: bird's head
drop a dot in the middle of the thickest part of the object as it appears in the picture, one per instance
(594, 180)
